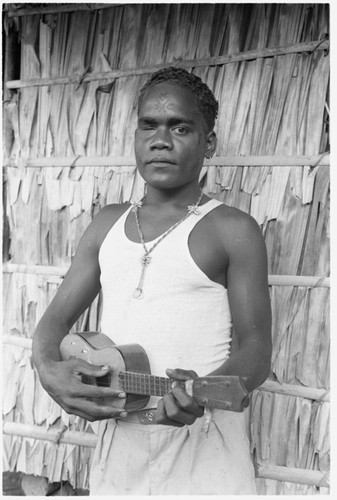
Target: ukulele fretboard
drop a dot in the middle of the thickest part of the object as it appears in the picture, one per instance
(142, 383)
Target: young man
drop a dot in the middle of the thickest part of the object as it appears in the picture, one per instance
(177, 270)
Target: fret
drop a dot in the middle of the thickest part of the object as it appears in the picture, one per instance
(143, 383)
(137, 381)
(167, 385)
(157, 387)
(162, 387)
(152, 386)
(148, 385)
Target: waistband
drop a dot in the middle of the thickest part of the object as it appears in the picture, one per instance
(144, 417)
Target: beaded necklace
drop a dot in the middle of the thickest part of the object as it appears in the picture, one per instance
(146, 258)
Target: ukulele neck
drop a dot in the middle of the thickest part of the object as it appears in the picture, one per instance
(145, 384)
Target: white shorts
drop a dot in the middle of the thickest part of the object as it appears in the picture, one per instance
(136, 459)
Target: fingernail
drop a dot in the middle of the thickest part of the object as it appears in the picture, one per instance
(123, 414)
(122, 395)
(104, 367)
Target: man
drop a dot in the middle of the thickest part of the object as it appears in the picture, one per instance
(176, 270)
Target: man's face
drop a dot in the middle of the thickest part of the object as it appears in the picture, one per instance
(171, 138)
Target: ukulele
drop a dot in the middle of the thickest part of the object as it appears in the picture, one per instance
(130, 372)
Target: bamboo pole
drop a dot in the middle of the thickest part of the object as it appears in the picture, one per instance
(273, 279)
(54, 435)
(289, 474)
(193, 63)
(292, 475)
(306, 281)
(17, 341)
(35, 269)
(296, 391)
(229, 160)
(55, 9)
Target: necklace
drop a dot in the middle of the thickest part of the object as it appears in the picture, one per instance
(146, 258)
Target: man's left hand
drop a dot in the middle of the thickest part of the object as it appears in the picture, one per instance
(177, 408)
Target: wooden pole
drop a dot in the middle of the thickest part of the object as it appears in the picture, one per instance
(54, 435)
(292, 475)
(221, 161)
(299, 391)
(306, 281)
(193, 63)
(57, 9)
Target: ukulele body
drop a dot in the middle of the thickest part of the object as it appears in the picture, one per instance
(98, 349)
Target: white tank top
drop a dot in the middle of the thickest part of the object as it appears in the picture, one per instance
(183, 320)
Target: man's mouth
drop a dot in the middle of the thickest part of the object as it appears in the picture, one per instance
(160, 160)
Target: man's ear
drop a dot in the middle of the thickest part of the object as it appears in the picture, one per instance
(211, 143)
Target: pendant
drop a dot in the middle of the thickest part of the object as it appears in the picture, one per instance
(138, 293)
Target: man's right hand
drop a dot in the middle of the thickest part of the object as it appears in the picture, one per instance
(63, 382)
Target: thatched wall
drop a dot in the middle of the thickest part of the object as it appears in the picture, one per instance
(270, 73)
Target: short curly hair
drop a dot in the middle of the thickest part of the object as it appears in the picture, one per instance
(206, 101)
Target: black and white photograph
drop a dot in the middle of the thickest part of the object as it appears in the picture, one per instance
(166, 248)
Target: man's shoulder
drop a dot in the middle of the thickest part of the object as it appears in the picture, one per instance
(226, 215)
(104, 220)
(114, 211)
(234, 225)
(110, 213)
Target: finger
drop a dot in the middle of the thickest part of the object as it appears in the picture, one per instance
(186, 402)
(179, 374)
(86, 385)
(93, 411)
(176, 413)
(85, 368)
(79, 389)
(162, 418)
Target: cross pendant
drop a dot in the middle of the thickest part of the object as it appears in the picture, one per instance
(138, 293)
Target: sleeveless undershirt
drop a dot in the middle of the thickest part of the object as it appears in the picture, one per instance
(183, 320)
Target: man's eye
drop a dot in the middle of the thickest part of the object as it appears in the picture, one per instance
(180, 130)
(145, 128)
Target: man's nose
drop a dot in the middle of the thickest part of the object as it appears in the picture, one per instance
(162, 139)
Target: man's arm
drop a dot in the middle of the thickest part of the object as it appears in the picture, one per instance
(249, 301)
(62, 379)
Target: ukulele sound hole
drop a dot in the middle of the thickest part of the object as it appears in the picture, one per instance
(87, 379)
(104, 381)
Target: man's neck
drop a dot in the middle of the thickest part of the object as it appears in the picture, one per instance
(179, 197)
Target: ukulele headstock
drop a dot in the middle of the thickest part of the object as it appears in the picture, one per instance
(226, 392)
